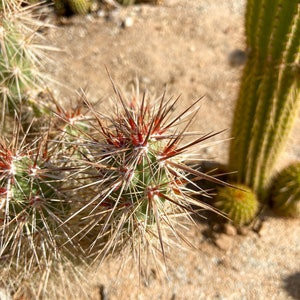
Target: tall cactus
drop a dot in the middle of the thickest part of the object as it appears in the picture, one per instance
(269, 96)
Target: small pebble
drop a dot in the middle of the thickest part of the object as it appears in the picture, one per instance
(101, 13)
(244, 230)
(223, 242)
(230, 229)
(237, 58)
(128, 22)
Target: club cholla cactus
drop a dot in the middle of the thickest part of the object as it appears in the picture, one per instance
(133, 169)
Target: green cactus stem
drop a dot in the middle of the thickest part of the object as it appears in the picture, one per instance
(285, 191)
(269, 96)
(133, 169)
(66, 7)
(126, 2)
(81, 7)
(33, 206)
(132, 2)
(20, 56)
(239, 203)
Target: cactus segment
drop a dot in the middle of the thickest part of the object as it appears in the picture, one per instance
(269, 96)
(134, 171)
(20, 58)
(285, 191)
(32, 206)
(239, 204)
(132, 2)
(81, 7)
(65, 7)
(126, 2)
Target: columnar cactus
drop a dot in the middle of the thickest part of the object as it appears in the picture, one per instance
(285, 191)
(269, 96)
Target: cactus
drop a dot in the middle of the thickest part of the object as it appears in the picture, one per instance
(60, 7)
(126, 2)
(33, 206)
(239, 203)
(80, 6)
(131, 2)
(269, 96)
(285, 191)
(133, 168)
(65, 7)
(19, 56)
(36, 199)
(102, 183)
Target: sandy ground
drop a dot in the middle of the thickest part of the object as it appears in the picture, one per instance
(184, 45)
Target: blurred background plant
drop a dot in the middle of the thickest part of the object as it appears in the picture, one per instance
(285, 191)
(131, 2)
(21, 57)
(66, 7)
(82, 7)
(239, 203)
(269, 96)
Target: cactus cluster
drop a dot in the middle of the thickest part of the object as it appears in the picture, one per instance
(33, 206)
(94, 183)
(20, 56)
(268, 100)
(269, 96)
(132, 166)
(285, 191)
(36, 198)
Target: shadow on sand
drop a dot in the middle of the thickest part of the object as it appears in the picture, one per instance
(292, 285)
